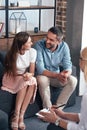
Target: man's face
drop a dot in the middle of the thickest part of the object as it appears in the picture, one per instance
(51, 41)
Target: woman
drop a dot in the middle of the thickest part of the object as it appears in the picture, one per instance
(17, 80)
(71, 121)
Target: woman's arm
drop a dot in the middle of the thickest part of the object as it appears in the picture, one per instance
(29, 74)
(32, 68)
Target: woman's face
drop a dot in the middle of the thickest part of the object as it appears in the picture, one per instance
(26, 46)
(81, 64)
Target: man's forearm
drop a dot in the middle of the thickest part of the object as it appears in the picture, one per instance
(50, 74)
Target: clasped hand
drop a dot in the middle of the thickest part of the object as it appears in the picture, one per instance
(27, 75)
(63, 76)
(48, 116)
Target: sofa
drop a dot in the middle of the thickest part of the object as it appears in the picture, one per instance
(7, 102)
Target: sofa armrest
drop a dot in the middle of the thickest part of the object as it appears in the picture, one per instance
(3, 120)
(1, 72)
(2, 58)
(72, 99)
(74, 70)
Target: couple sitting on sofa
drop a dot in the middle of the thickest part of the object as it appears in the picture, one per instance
(50, 54)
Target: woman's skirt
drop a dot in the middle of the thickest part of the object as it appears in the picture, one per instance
(13, 85)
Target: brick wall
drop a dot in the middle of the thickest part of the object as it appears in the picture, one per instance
(61, 6)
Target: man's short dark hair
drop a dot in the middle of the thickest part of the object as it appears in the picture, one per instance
(57, 31)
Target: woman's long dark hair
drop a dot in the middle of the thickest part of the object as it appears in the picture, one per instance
(11, 57)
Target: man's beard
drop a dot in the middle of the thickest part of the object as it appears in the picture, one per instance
(52, 46)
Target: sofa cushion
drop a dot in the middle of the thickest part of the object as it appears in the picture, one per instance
(35, 107)
(55, 93)
(32, 110)
(7, 101)
(7, 104)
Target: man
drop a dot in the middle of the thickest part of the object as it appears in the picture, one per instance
(51, 53)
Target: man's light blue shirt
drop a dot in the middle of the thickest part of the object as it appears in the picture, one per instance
(48, 60)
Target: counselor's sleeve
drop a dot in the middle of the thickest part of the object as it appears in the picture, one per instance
(82, 125)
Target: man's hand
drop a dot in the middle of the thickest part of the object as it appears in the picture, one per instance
(63, 76)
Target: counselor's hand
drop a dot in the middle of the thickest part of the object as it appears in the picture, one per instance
(49, 116)
(59, 112)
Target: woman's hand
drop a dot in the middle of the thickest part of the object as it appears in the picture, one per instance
(58, 111)
(27, 76)
(49, 116)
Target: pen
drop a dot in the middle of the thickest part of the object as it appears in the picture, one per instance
(59, 106)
